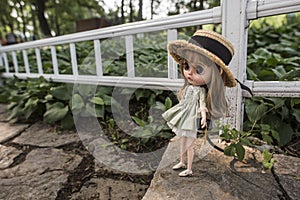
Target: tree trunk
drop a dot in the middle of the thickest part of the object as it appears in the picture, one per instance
(41, 7)
(122, 12)
(131, 11)
(152, 8)
(140, 14)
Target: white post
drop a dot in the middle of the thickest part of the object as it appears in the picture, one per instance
(129, 56)
(73, 59)
(172, 65)
(234, 28)
(39, 61)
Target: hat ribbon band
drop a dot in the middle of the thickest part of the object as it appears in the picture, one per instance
(213, 46)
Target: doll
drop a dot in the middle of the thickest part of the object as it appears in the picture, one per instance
(203, 61)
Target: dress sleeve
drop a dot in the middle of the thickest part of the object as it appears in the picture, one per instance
(202, 97)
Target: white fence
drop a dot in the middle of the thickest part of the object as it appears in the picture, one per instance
(234, 15)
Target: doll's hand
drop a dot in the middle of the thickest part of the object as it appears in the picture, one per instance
(203, 121)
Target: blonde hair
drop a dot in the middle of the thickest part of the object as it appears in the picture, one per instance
(216, 101)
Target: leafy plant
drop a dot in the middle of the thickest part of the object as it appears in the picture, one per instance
(268, 160)
(237, 140)
(274, 56)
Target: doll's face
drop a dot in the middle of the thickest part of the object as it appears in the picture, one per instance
(195, 71)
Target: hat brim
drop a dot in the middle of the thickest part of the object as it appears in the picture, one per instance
(175, 48)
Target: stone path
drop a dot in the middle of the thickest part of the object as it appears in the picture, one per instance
(39, 162)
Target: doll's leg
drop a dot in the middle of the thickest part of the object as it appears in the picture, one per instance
(183, 150)
(190, 157)
(190, 152)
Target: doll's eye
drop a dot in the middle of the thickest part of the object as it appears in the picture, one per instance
(186, 66)
(199, 69)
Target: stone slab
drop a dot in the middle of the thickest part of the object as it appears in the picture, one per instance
(44, 135)
(7, 156)
(106, 188)
(215, 176)
(287, 169)
(40, 176)
(9, 131)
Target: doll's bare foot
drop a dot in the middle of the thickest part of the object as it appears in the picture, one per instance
(179, 166)
(186, 172)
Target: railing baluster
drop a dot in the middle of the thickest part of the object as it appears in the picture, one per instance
(15, 61)
(26, 63)
(39, 61)
(54, 60)
(6, 62)
(129, 56)
(172, 66)
(98, 58)
(1, 58)
(74, 59)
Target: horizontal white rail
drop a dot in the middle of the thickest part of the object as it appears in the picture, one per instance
(209, 16)
(274, 88)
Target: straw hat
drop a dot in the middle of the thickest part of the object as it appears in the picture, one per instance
(210, 44)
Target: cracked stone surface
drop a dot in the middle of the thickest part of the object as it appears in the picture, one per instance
(287, 169)
(9, 131)
(43, 135)
(217, 176)
(40, 176)
(7, 156)
(106, 188)
(40, 163)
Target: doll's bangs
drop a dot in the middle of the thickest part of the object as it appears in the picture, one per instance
(188, 54)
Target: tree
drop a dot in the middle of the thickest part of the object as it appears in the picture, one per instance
(140, 13)
(41, 7)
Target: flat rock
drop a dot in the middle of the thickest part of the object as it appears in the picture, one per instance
(40, 176)
(7, 156)
(8, 131)
(44, 135)
(106, 188)
(215, 176)
(287, 169)
(124, 161)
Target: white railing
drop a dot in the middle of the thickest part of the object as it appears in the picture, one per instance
(232, 14)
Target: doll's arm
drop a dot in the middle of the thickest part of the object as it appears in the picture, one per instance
(202, 107)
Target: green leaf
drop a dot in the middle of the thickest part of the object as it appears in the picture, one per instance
(67, 122)
(295, 101)
(230, 150)
(255, 111)
(139, 121)
(275, 135)
(97, 100)
(77, 102)
(61, 92)
(296, 114)
(246, 141)
(55, 112)
(268, 161)
(30, 106)
(168, 103)
(285, 134)
(240, 151)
